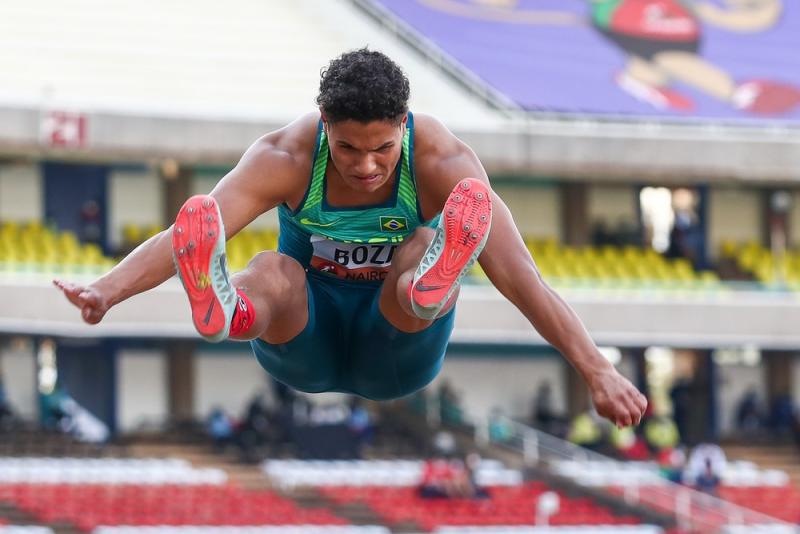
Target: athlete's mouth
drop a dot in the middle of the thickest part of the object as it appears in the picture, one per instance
(369, 178)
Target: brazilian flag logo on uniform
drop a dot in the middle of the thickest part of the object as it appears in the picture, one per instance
(393, 224)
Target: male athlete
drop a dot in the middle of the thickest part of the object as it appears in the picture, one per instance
(381, 214)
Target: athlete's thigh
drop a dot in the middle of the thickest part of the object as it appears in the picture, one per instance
(386, 363)
(310, 361)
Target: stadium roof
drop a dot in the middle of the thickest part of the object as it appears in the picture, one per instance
(142, 80)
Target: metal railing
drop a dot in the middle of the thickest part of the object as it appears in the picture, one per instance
(692, 510)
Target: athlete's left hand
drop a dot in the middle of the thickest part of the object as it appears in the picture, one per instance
(616, 399)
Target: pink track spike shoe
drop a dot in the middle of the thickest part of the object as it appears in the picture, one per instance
(198, 250)
(459, 240)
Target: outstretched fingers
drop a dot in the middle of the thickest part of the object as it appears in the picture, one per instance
(70, 290)
(84, 299)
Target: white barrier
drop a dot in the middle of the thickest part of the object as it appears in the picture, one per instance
(106, 471)
(401, 473)
(594, 529)
(287, 529)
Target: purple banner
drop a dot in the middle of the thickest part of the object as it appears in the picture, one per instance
(717, 59)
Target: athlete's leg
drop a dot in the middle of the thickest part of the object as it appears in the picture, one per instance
(385, 363)
(423, 281)
(275, 284)
(394, 302)
(274, 304)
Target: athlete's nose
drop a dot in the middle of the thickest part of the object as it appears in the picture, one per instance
(366, 166)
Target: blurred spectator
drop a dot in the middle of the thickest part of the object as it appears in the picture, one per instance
(703, 456)
(253, 433)
(601, 235)
(681, 396)
(748, 414)
(360, 424)
(671, 463)
(585, 430)
(6, 412)
(91, 223)
(500, 428)
(660, 433)
(781, 417)
(219, 427)
(438, 477)
(472, 462)
(449, 404)
(627, 444)
(708, 481)
(62, 412)
(448, 477)
(543, 415)
(686, 239)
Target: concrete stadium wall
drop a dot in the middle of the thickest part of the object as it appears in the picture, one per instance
(21, 194)
(612, 203)
(536, 210)
(142, 388)
(18, 376)
(228, 380)
(734, 213)
(509, 383)
(133, 198)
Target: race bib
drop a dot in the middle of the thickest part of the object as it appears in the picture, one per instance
(352, 261)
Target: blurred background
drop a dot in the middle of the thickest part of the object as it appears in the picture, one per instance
(649, 151)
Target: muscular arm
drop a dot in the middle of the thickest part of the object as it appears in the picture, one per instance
(265, 176)
(509, 266)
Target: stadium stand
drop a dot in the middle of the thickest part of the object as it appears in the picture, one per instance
(764, 265)
(602, 267)
(33, 247)
(389, 488)
(618, 473)
(593, 529)
(91, 505)
(199, 88)
(294, 529)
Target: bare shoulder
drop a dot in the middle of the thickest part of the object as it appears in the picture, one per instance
(432, 138)
(292, 145)
(279, 162)
(440, 161)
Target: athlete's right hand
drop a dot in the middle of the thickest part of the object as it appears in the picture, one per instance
(88, 299)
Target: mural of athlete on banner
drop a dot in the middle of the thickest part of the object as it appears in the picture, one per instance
(663, 44)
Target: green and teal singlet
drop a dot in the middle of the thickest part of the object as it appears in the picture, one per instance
(351, 243)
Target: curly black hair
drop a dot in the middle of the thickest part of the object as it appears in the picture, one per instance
(363, 85)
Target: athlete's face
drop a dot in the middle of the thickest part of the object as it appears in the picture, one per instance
(365, 154)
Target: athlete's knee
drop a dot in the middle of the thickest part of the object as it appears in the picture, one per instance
(414, 246)
(276, 272)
